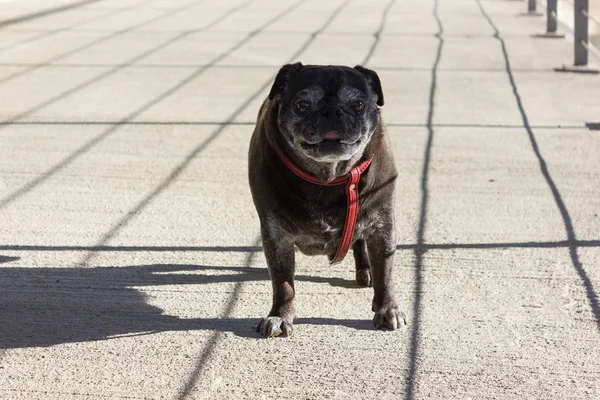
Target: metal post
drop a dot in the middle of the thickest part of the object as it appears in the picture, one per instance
(581, 32)
(531, 6)
(581, 41)
(551, 16)
(551, 21)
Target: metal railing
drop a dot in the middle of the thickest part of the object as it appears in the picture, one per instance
(582, 46)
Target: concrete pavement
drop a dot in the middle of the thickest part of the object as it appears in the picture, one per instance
(130, 262)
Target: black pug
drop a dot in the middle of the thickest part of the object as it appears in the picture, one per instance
(322, 178)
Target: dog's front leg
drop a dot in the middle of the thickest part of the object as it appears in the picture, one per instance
(280, 260)
(381, 245)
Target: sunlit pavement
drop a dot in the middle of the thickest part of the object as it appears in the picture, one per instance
(130, 259)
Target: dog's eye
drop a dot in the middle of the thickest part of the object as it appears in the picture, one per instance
(302, 105)
(357, 105)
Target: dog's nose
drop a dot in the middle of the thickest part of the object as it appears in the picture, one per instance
(331, 111)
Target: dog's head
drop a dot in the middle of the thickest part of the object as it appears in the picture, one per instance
(327, 113)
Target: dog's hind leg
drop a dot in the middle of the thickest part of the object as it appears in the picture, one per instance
(363, 266)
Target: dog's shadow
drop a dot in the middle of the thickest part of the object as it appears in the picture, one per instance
(48, 306)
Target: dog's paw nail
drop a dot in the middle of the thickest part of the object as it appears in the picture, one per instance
(363, 277)
(274, 326)
(389, 318)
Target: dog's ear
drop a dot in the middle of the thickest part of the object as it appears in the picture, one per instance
(373, 80)
(282, 78)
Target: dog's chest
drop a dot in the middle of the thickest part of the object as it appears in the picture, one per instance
(322, 233)
(320, 236)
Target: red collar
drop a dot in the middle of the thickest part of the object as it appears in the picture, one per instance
(351, 180)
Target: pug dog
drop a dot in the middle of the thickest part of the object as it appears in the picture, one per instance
(319, 126)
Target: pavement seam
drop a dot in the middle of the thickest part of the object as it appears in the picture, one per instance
(393, 124)
(276, 32)
(264, 66)
(55, 392)
(246, 249)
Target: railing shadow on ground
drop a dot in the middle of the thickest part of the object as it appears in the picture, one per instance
(590, 291)
(46, 12)
(48, 306)
(419, 250)
(88, 145)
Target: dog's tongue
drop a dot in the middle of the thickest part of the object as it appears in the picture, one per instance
(333, 135)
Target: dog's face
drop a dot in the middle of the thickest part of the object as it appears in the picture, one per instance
(327, 113)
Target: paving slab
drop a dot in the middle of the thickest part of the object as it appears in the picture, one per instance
(130, 257)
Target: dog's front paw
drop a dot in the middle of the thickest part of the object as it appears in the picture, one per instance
(389, 317)
(273, 327)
